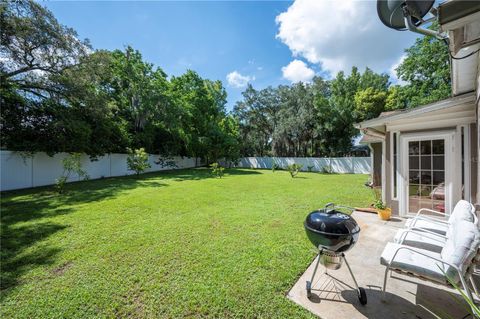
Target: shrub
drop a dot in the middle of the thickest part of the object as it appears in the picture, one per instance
(310, 168)
(293, 169)
(137, 160)
(217, 170)
(275, 166)
(71, 164)
(327, 170)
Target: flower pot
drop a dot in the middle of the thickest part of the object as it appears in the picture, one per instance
(384, 214)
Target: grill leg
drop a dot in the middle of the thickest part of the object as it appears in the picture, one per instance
(362, 295)
(316, 267)
(350, 270)
(309, 283)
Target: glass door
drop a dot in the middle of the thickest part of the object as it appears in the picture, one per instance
(426, 175)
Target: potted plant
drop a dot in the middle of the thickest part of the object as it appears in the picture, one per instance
(382, 210)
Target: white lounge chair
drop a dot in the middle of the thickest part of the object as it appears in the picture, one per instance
(463, 211)
(430, 240)
(453, 261)
(421, 238)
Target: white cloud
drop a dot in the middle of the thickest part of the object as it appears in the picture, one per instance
(297, 71)
(340, 34)
(393, 71)
(238, 80)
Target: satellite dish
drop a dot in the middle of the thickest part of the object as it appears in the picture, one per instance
(393, 12)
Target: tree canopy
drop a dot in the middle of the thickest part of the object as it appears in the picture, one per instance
(58, 94)
(313, 119)
(317, 118)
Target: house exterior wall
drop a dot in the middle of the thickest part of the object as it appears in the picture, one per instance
(391, 202)
(377, 163)
(388, 188)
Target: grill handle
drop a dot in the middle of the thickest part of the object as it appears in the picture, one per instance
(329, 207)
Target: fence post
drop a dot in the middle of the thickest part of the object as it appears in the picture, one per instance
(353, 164)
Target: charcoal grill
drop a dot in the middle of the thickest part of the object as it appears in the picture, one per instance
(333, 232)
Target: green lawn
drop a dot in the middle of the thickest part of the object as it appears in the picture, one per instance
(173, 244)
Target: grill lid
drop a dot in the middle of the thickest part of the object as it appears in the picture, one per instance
(332, 222)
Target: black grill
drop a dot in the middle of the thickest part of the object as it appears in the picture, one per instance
(333, 232)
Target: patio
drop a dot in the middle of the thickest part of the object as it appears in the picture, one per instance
(333, 294)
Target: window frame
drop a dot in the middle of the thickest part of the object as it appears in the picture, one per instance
(394, 160)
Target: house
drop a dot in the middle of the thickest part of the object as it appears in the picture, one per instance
(427, 157)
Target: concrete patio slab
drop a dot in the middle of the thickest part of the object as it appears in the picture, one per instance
(334, 296)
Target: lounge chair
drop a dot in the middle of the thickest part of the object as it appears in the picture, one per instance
(454, 261)
(434, 241)
(463, 211)
(421, 238)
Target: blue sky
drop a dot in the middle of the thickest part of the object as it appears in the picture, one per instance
(265, 43)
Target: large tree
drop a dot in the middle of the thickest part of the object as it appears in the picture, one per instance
(426, 71)
(258, 116)
(58, 95)
(34, 45)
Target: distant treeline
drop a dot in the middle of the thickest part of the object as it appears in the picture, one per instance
(316, 119)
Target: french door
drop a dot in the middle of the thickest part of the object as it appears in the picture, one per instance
(426, 165)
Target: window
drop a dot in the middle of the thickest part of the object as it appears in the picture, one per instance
(426, 175)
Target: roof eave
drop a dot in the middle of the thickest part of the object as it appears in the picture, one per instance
(439, 105)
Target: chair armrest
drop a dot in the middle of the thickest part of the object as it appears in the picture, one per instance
(419, 215)
(430, 211)
(429, 219)
(422, 232)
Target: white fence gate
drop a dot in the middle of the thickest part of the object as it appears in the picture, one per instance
(18, 172)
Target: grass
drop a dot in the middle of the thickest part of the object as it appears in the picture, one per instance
(173, 244)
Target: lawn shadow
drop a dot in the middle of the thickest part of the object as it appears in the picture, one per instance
(26, 221)
(20, 249)
(45, 202)
(17, 259)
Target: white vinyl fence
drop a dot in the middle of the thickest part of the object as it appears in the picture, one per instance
(23, 172)
(347, 165)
